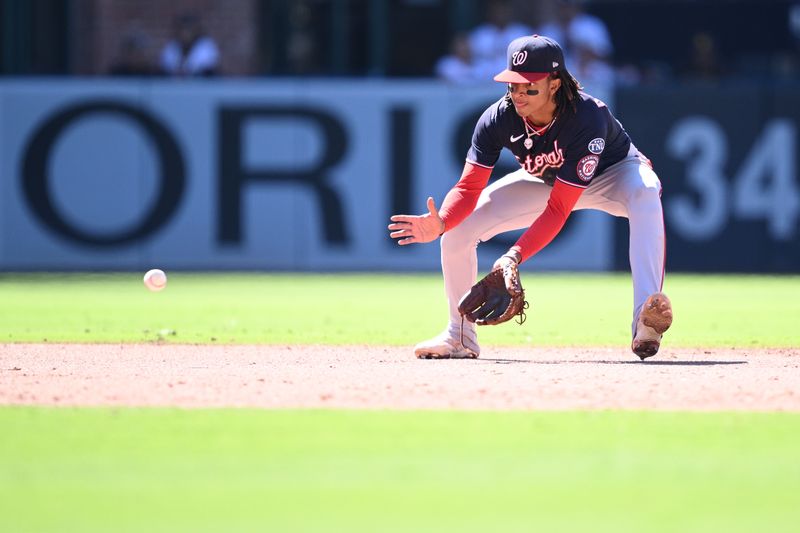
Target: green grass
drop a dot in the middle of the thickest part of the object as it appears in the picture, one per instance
(240, 470)
(396, 309)
(85, 470)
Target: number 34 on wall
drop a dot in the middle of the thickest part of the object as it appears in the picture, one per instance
(764, 187)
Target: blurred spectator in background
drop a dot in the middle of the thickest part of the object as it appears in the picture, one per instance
(302, 56)
(578, 30)
(594, 71)
(135, 57)
(191, 52)
(788, 62)
(458, 66)
(704, 63)
(587, 46)
(489, 41)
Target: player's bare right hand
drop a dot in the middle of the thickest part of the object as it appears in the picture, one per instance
(409, 229)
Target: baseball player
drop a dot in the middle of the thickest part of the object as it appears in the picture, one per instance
(573, 154)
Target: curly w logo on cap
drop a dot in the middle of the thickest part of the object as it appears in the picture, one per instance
(530, 59)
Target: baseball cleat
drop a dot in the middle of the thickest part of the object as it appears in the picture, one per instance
(448, 346)
(654, 320)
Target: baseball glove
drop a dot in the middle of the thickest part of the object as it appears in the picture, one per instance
(496, 298)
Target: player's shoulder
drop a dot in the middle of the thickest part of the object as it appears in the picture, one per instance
(498, 113)
(501, 106)
(590, 111)
(589, 105)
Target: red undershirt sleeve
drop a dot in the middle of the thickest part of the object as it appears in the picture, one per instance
(463, 197)
(562, 199)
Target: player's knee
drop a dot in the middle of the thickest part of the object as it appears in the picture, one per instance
(645, 198)
(457, 239)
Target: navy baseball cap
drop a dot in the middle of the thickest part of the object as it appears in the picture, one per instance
(530, 59)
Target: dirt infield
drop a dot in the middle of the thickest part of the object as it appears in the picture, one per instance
(391, 378)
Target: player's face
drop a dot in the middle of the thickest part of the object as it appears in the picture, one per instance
(531, 98)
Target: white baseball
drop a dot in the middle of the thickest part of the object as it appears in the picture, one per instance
(155, 280)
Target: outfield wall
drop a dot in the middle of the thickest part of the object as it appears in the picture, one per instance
(303, 175)
(727, 156)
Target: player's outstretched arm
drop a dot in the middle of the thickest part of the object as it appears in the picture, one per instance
(409, 229)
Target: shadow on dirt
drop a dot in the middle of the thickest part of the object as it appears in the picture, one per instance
(608, 362)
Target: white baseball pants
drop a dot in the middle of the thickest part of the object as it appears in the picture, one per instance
(627, 189)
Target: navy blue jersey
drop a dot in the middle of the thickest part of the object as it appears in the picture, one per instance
(580, 144)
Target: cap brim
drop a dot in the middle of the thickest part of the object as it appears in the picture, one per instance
(510, 76)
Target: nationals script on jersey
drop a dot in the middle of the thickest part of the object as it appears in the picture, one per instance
(578, 145)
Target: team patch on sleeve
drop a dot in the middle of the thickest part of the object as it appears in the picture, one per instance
(586, 167)
(597, 145)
